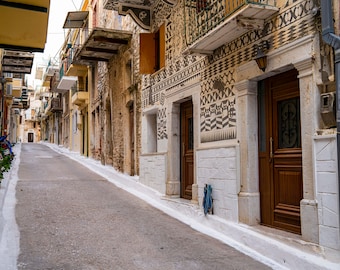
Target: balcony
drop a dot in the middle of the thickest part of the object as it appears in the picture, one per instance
(90, 45)
(24, 94)
(71, 65)
(79, 97)
(25, 104)
(8, 76)
(17, 104)
(39, 72)
(101, 45)
(55, 80)
(16, 93)
(17, 62)
(50, 71)
(23, 25)
(66, 83)
(210, 25)
(76, 70)
(53, 105)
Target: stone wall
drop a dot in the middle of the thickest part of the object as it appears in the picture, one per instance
(118, 87)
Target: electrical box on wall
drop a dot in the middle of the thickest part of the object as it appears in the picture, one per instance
(328, 110)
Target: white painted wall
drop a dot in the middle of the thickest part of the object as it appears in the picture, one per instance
(153, 171)
(327, 190)
(218, 167)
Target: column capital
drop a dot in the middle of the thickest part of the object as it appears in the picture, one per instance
(246, 87)
(304, 67)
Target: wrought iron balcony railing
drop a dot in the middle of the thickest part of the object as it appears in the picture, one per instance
(204, 17)
(76, 88)
(69, 59)
(54, 105)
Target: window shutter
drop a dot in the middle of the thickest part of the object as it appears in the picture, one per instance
(147, 53)
(162, 46)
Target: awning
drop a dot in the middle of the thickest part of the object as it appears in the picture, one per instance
(75, 19)
(102, 44)
(23, 24)
(17, 62)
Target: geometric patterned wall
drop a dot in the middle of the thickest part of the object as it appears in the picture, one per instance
(217, 72)
(218, 112)
(161, 124)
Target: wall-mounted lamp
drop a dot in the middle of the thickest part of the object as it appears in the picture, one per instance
(261, 57)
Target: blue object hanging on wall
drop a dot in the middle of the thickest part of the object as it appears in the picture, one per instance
(208, 200)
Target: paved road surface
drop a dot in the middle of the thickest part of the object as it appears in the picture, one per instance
(71, 218)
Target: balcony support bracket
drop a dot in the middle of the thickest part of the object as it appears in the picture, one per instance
(140, 14)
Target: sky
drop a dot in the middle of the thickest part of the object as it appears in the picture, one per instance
(55, 33)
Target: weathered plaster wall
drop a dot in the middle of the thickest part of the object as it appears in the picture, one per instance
(116, 88)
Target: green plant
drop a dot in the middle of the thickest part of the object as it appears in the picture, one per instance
(5, 163)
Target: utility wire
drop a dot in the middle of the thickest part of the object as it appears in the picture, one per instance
(74, 4)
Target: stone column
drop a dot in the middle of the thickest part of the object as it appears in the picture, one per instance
(247, 134)
(196, 114)
(309, 95)
(173, 163)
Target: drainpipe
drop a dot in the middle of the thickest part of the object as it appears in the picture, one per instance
(333, 40)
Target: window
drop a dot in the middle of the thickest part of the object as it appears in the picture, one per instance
(151, 133)
(152, 51)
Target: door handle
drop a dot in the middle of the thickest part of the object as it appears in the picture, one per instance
(271, 154)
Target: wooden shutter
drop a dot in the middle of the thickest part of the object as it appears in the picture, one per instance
(147, 53)
(162, 46)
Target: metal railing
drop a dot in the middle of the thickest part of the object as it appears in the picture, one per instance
(68, 59)
(75, 89)
(53, 105)
(201, 16)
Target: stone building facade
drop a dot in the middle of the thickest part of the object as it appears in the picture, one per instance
(256, 136)
(181, 102)
(115, 104)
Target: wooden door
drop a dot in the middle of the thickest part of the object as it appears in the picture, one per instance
(30, 137)
(280, 153)
(187, 150)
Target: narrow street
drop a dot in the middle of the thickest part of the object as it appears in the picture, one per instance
(72, 218)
